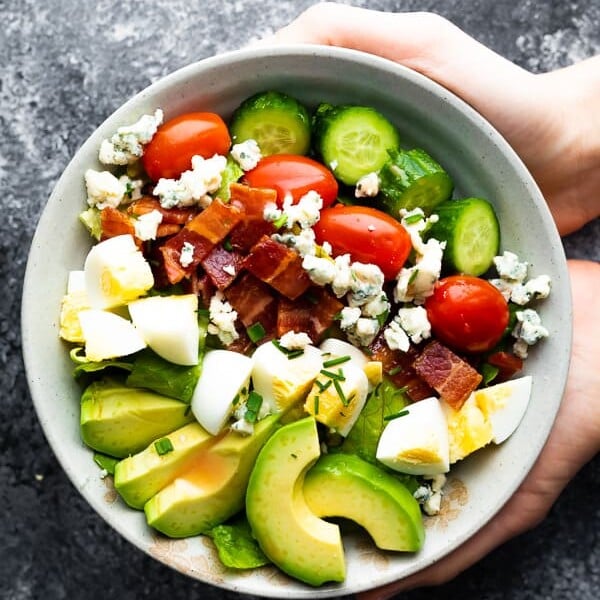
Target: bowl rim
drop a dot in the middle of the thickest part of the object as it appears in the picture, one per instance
(251, 53)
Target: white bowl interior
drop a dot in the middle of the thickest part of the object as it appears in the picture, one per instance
(427, 115)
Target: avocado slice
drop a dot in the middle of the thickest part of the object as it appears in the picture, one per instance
(344, 485)
(212, 491)
(139, 477)
(118, 420)
(288, 532)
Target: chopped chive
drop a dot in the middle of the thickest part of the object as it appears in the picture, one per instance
(395, 415)
(289, 353)
(236, 399)
(203, 312)
(227, 245)
(332, 375)
(250, 416)
(323, 386)
(340, 392)
(254, 401)
(395, 370)
(280, 221)
(413, 276)
(336, 361)
(256, 332)
(106, 462)
(411, 219)
(316, 411)
(163, 446)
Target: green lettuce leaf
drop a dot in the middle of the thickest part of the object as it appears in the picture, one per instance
(230, 174)
(236, 546)
(385, 400)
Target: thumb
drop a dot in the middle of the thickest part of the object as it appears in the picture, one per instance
(424, 42)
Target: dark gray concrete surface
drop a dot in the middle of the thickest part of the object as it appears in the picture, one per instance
(67, 64)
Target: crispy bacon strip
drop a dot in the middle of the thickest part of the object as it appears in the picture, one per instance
(313, 313)
(254, 301)
(172, 216)
(215, 221)
(203, 232)
(171, 254)
(222, 266)
(279, 266)
(448, 374)
(115, 222)
(398, 366)
(253, 226)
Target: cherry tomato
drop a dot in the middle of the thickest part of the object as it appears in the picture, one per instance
(367, 234)
(170, 151)
(293, 174)
(467, 313)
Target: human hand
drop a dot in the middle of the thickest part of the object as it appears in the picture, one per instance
(551, 120)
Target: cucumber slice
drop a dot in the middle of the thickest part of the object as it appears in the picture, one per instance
(353, 140)
(413, 179)
(472, 234)
(278, 123)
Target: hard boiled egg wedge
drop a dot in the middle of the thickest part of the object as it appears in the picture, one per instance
(108, 335)
(223, 383)
(169, 325)
(490, 414)
(283, 381)
(504, 405)
(73, 302)
(337, 396)
(116, 272)
(416, 441)
(334, 348)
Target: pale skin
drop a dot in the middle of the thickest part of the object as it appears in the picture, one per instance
(552, 121)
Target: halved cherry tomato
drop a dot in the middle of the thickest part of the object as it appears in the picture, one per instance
(170, 151)
(367, 234)
(467, 313)
(293, 174)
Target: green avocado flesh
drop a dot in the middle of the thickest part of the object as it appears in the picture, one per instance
(288, 532)
(119, 420)
(214, 489)
(343, 485)
(139, 477)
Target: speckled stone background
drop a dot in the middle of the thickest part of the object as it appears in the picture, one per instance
(67, 64)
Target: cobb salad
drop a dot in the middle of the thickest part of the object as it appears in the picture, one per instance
(287, 317)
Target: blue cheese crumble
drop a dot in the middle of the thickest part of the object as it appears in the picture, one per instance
(222, 319)
(127, 144)
(194, 186)
(247, 154)
(146, 225)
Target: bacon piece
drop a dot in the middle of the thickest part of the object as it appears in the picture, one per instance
(398, 366)
(215, 221)
(253, 225)
(313, 314)
(243, 344)
(201, 286)
(222, 266)
(167, 229)
(254, 302)
(508, 364)
(448, 374)
(279, 266)
(114, 222)
(172, 216)
(171, 254)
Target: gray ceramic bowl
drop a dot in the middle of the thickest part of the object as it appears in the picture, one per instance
(481, 163)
